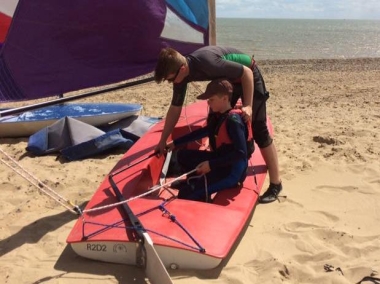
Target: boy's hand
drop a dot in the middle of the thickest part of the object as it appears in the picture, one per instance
(247, 113)
(203, 168)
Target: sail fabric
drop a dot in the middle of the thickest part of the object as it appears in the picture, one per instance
(76, 140)
(65, 132)
(54, 46)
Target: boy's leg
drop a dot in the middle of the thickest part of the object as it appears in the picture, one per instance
(190, 159)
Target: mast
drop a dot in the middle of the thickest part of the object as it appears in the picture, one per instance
(212, 22)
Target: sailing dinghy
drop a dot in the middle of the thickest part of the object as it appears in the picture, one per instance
(186, 234)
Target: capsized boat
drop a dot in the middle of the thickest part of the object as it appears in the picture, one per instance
(186, 234)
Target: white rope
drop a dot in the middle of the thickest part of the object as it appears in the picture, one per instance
(186, 117)
(63, 201)
(37, 183)
(153, 189)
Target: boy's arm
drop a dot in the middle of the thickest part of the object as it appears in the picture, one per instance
(192, 136)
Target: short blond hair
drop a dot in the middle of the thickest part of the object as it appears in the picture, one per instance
(169, 61)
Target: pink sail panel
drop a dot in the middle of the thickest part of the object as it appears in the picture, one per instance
(5, 22)
(7, 8)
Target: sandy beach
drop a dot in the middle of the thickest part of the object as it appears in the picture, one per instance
(325, 229)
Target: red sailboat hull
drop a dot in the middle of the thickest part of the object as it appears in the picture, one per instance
(186, 234)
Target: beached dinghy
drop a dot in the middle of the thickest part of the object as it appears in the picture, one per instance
(96, 114)
(186, 234)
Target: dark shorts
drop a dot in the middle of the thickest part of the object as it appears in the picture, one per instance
(259, 116)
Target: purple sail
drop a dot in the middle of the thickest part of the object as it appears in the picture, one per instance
(54, 46)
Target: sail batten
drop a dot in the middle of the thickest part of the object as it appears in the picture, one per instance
(54, 47)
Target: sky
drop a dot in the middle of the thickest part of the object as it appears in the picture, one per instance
(299, 9)
(294, 9)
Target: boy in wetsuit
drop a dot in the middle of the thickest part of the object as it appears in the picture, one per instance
(213, 62)
(225, 166)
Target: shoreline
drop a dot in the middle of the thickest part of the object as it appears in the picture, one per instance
(338, 64)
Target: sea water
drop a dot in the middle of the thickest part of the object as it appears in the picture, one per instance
(300, 38)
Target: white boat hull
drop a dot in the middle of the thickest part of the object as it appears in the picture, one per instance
(95, 114)
(126, 253)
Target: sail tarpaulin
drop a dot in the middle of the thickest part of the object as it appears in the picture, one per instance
(56, 46)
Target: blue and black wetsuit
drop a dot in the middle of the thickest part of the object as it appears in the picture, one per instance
(228, 162)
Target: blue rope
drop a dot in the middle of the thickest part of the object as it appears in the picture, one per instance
(177, 241)
(172, 217)
(115, 226)
(105, 228)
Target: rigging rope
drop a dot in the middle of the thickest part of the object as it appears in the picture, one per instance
(187, 122)
(153, 189)
(43, 187)
(40, 185)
